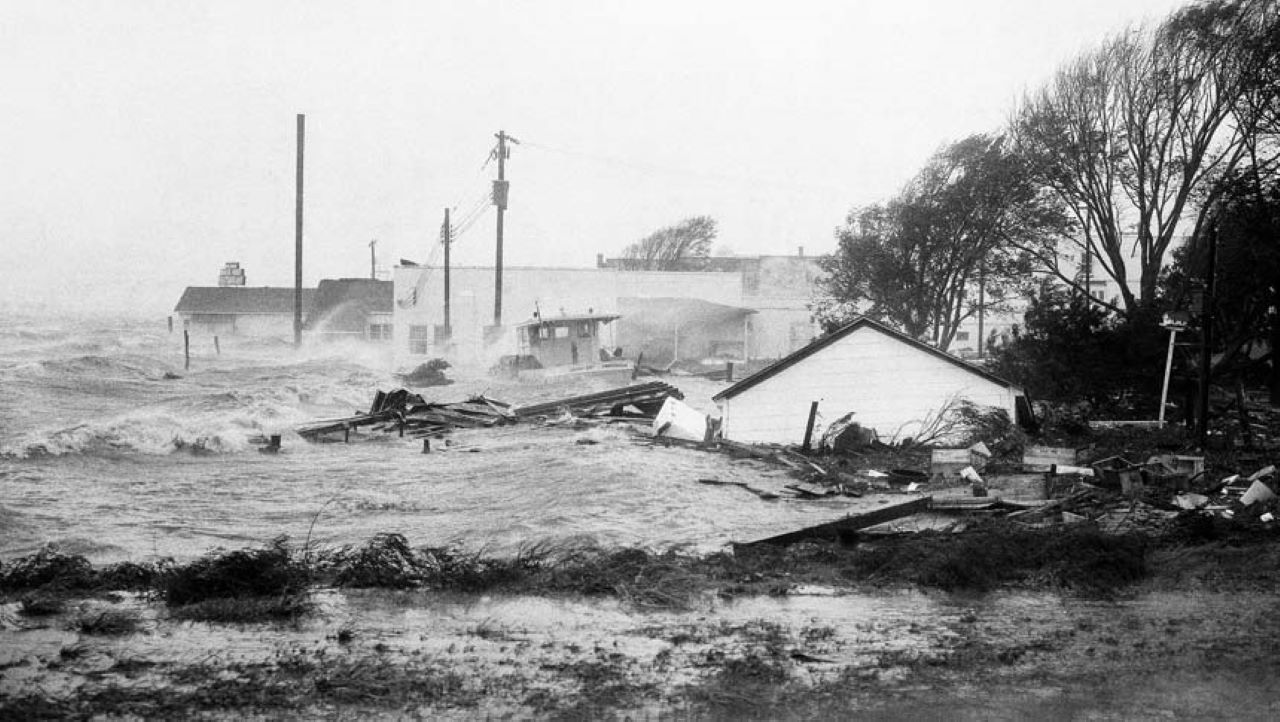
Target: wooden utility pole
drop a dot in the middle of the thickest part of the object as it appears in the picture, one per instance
(982, 305)
(297, 238)
(446, 237)
(1206, 337)
(373, 260)
(500, 200)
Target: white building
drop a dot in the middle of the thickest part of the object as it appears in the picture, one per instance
(777, 288)
(891, 382)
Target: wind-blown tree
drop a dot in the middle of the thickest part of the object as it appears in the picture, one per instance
(1247, 272)
(682, 247)
(920, 261)
(1132, 137)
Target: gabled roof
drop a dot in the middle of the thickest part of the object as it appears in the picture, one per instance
(241, 299)
(817, 345)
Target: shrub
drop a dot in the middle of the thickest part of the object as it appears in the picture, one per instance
(47, 568)
(220, 574)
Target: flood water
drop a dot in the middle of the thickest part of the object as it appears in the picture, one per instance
(110, 449)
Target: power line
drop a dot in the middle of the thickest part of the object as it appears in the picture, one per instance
(651, 168)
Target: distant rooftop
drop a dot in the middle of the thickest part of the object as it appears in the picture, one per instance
(242, 299)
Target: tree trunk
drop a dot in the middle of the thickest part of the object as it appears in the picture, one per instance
(1275, 346)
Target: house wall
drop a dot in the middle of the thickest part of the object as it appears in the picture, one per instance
(892, 386)
(575, 290)
(780, 289)
(261, 325)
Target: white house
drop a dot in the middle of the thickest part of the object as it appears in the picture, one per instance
(891, 382)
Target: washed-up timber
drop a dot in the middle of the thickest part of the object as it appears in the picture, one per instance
(639, 401)
(847, 525)
(408, 414)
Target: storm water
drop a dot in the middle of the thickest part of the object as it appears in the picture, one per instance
(110, 448)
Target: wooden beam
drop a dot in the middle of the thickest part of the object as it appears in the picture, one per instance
(835, 530)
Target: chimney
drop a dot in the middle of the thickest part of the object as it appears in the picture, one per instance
(599, 260)
(800, 252)
(231, 274)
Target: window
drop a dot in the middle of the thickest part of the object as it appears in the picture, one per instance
(379, 332)
(419, 340)
(962, 335)
(562, 332)
(443, 334)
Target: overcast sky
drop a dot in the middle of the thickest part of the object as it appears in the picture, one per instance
(144, 144)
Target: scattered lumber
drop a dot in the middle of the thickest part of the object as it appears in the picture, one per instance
(408, 414)
(847, 525)
(645, 400)
(766, 495)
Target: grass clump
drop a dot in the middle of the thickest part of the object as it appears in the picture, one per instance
(997, 552)
(41, 605)
(47, 568)
(665, 580)
(107, 622)
(246, 585)
(385, 561)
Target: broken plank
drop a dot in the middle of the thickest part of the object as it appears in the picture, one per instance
(834, 530)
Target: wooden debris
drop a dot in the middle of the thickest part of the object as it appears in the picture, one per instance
(847, 525)
(766, 495)
(646, 399)
(408, 414)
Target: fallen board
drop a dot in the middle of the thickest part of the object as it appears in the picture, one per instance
(834, 530)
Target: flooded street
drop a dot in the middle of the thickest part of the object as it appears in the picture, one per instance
(105, 456)
(112, 451)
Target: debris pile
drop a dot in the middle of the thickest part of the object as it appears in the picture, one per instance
(642, 401)
(408, 414)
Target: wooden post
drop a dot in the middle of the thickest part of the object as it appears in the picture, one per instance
(808, 427)
(446, 237)
(426, 446)
(1168, 369)
(499, 200)
(1206, 338)
(346, 434)
(171, 324)
(297, 237)
(186, 349)
(216, 348)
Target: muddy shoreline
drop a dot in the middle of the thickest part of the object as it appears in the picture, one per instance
(795, 635)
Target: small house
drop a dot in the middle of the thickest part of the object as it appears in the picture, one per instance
(890, 382)
(351, 308)
(563, 340)
(241, 310)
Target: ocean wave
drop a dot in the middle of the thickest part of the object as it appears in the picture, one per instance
(218, 429)
(98, 366)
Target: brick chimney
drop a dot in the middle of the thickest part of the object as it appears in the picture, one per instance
(231, 274)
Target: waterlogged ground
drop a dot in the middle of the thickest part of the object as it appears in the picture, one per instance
(812, 654)
(110, 449)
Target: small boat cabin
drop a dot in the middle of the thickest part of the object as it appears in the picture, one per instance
(563, 340)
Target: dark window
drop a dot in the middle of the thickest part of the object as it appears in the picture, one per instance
(419, 340)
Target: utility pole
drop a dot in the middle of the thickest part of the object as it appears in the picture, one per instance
(373, 266)
(297, 238)
(446, 237)
(1206, 335)
(982, 304)
(500, 200)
